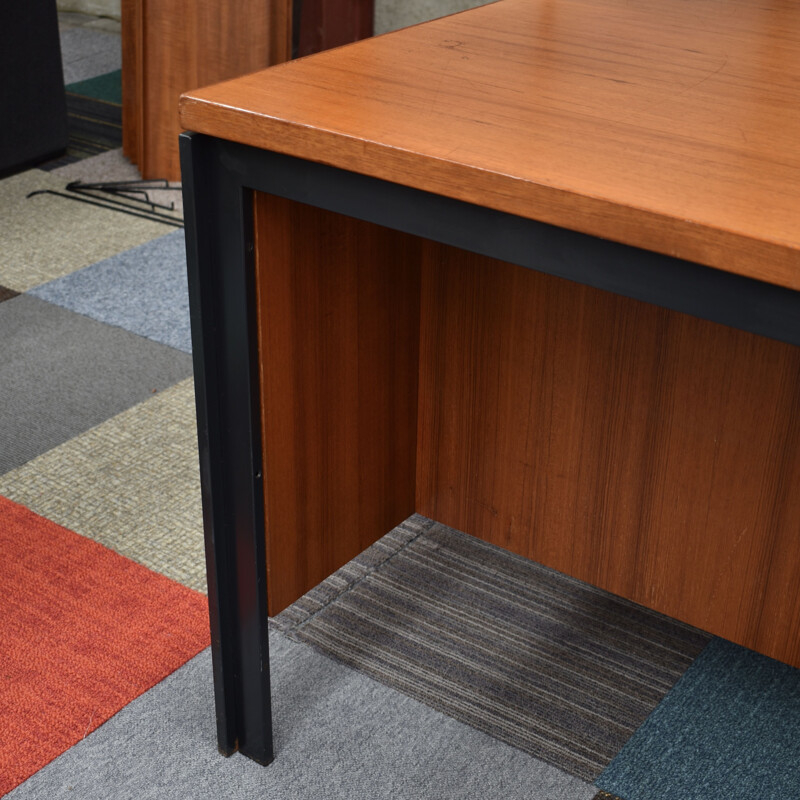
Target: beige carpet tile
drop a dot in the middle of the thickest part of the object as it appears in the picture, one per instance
(131, 483)
(14, 188)
(45, 236)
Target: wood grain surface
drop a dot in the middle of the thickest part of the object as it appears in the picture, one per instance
(172, 46)
(662, 124)
(338, 337)
(324, 24)
(645, 451)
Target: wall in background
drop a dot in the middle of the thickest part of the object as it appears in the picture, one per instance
(99, 8)
(389, 14)
(393, 14)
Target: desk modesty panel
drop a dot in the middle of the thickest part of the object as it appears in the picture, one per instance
(530, 270)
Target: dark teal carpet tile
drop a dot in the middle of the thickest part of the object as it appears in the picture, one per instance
(107, 87)
(728, 730)
(7, 294)
(63, 373)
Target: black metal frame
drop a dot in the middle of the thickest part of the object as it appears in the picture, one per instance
(218, 177)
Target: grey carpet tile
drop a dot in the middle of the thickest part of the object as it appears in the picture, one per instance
(338, 734)
(562, 670)
(113, 166)
(143, 290)
(131, 483)
(108, 166)
(87, 52)
(47, 236)
(62, 373)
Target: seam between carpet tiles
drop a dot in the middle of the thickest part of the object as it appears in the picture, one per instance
(292, 629)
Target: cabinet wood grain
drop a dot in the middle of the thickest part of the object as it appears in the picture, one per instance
(172, 46)
(645, 451)
(338, 333)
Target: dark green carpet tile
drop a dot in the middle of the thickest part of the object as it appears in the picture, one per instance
(107, 87)
(541, 661)
(7, 294)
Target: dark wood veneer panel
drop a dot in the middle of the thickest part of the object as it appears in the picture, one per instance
(338, 336)
(645, 451)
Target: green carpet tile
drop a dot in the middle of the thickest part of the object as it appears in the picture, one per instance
(106, 87)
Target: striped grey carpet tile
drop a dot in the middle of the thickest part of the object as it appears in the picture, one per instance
(548, 664)
(350, 574)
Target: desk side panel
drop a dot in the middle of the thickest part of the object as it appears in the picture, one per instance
(338, 342)
(642, 450)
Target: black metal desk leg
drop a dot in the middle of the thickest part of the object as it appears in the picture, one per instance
(219, 245)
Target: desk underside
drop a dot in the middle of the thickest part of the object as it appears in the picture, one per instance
(643, 450)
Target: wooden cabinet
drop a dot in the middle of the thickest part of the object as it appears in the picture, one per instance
(173, 46)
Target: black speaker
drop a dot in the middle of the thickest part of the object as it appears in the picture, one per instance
(33, 111)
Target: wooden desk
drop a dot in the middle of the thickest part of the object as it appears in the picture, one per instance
(530, 270)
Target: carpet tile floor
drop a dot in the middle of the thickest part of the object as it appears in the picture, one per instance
(403, 675)
(143, 290)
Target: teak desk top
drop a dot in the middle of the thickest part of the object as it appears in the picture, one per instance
(667, 125)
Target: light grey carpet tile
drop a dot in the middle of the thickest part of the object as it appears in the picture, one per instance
(393, 14)
(143, 290)
(562, 670)
(113, 166)
(339, 735)
(131, 483)
(108, 166)
(45, 236)
(87, 52)
(62, 373)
